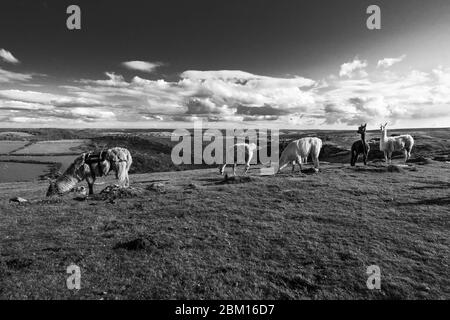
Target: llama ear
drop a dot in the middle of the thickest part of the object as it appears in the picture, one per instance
(385, 124)
(365, 125)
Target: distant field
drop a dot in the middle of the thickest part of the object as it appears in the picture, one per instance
(54, 147)
(64, 160)
(12, 134)
(7, 146)
(12, 171)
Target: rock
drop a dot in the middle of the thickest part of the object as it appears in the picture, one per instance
(81, 191)
(157, 186)
(18, 200)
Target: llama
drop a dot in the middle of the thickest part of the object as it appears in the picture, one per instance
(89, 166)
(360, 146)
(248, 149)
(398, 143)
(299, 150)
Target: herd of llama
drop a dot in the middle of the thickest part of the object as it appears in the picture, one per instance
(299, 150)
(90, 166)
(388, 145)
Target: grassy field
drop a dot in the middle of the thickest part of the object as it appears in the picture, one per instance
(287, 236)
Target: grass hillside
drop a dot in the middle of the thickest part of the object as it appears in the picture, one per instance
(193, 235)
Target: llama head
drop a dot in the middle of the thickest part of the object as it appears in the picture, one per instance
(362, 129)
(383, 127)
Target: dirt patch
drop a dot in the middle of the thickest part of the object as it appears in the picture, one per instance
(310, 171)
(136, 244)
(19, 263)
(235, 180)
(381, 168)
(114, 192)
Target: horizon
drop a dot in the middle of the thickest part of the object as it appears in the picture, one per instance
(219, 128)
(166, 65)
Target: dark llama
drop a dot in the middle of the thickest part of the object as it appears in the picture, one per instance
(360, 146)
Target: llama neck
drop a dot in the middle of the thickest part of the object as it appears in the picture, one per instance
(383, 139)
(363, 137)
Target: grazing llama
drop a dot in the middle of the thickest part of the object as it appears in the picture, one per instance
(360, 146)
(89, 166)
(248, 149)
(299, 150)
(398, 143)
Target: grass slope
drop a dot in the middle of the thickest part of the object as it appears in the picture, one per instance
(287, 236)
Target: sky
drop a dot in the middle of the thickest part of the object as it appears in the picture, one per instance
(254, 63)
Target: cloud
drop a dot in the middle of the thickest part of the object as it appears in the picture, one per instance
(235, 97)
(388, 62)
(353, 68)
(143, 66)
(7, 56)
(414, 96)
(9, 76)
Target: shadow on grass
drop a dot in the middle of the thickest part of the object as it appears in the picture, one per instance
(433, 185)
(444, 201)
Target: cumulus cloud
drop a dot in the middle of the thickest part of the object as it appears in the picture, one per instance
(388, 62)
(353, 68)
(236, 97)
(394, 97)
(7, 56)
(142, 66)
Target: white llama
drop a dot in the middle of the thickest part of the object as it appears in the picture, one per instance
(398, 143)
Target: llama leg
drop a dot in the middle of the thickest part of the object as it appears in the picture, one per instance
(234, 169)
(293, 166)
(299, 160)
(316, 162)
(222, 170)
(365, 159)
(90, 182)
(247, 166)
